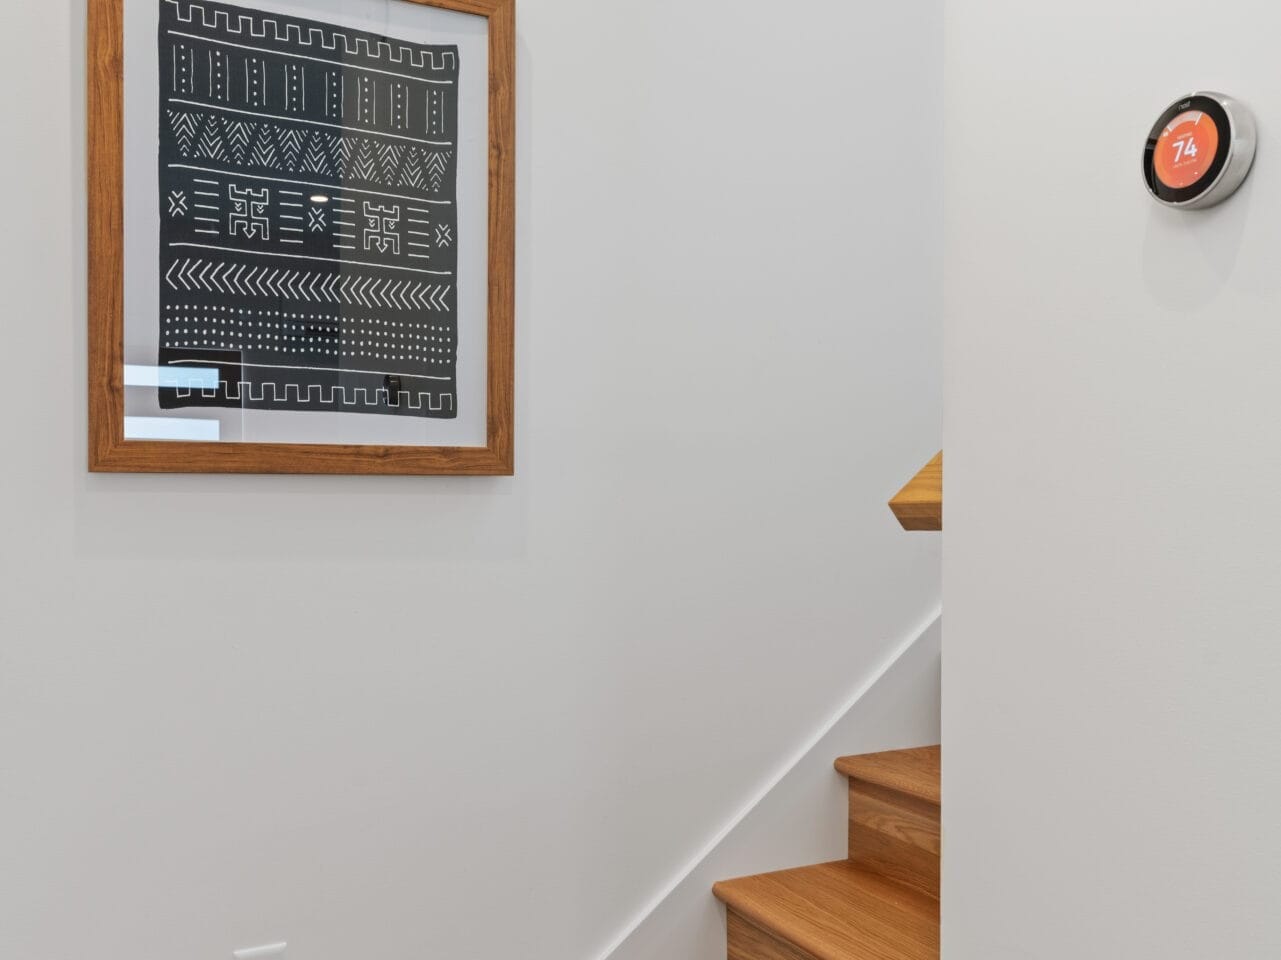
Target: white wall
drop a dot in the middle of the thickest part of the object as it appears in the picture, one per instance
(1110, 704)
(488, 718)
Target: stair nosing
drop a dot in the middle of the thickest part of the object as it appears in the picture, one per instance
(867, 768)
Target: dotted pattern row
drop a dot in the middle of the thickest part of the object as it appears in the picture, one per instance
(311, 335)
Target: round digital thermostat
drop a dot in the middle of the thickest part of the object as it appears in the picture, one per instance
(1199, 151)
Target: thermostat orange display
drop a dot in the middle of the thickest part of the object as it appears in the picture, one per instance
(1186, 149)
(1199, 150)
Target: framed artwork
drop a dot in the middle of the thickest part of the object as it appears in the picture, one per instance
(301, 236)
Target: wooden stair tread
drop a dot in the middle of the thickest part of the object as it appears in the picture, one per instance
(838, 911)
(919, 505)
(914, 772)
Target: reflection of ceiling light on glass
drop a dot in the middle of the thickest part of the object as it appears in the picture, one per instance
(319, 198)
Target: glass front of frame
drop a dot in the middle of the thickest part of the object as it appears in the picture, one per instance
(305, 222)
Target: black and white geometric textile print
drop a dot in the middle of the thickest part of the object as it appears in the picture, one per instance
(308, 214)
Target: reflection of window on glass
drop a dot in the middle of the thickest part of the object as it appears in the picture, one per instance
(308, 182)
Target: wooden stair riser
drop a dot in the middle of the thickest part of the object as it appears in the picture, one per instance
(895, 834)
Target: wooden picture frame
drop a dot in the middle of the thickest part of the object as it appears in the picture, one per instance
(109, 451)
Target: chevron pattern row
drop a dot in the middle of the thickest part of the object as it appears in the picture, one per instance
(275, 146)
(196, 275)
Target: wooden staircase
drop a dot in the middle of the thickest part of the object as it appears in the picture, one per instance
(881, 902)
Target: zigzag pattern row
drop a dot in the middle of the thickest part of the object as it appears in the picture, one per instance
(241, 279)
(268, 28)
(257, 392)
(274, 146)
